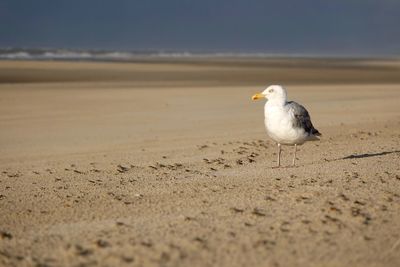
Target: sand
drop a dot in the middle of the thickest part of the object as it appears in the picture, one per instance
(166, 163)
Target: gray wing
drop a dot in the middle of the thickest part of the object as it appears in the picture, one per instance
(301, 118)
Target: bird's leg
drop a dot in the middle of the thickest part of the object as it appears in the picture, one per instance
(279, 155)
(294, 156)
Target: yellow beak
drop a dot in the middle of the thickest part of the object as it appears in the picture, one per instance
(258, 96)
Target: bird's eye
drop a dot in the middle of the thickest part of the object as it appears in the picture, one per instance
(271, 90)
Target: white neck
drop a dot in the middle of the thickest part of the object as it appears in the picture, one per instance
(279, 101)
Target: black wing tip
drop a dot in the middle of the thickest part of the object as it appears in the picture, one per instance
(316, 132)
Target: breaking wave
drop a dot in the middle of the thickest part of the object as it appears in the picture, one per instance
(57, 54)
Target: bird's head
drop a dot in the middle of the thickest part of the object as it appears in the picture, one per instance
(272, 92)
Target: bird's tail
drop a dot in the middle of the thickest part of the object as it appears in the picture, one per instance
(316, 132)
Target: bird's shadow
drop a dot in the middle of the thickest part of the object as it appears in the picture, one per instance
(352, 156)
(360, 156)
(368, 155)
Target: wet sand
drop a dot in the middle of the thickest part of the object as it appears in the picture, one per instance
(166, 163)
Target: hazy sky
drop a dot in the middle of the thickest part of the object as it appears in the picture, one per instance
(298, 26)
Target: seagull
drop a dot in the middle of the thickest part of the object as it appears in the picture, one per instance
(286, 122)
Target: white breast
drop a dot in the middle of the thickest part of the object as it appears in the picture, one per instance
(279, 125)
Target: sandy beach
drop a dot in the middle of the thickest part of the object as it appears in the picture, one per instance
(166, 163)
